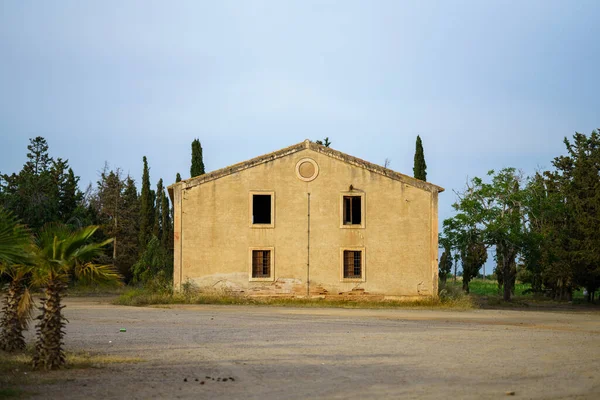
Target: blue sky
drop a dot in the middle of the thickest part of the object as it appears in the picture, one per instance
(487, 84)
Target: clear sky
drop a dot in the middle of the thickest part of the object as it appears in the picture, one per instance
(486, 84)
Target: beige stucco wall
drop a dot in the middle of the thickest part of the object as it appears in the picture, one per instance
(213, 233)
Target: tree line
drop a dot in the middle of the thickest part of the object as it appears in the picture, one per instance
(545, 227)
(140, 221)
(52, 234)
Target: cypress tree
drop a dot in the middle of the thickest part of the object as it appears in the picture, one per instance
(70, 196)
(420, 167)
(157, 230)
(197, 168)
(166, 223)
(146, 208)
(130, 220)
(178, 178)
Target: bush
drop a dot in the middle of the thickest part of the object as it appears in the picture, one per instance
(154, 265)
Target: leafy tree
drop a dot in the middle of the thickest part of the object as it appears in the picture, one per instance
(420, 167)
(146, 208)
(118, 209)
(197, 168)
(60, 254)
(178, 178)
(495, 211)
(445, 265)
(579, 173)
(325, 142)
(546, 253)
(473, 257)
(153, 264)
(501, 271)
(15, 260)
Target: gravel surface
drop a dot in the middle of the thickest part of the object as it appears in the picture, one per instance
(252, 352)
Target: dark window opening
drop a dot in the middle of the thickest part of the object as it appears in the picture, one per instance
(261, 263)
(352, 210)
(352, 264)
(261, 209)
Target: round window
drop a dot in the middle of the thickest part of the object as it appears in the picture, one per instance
(307, 169)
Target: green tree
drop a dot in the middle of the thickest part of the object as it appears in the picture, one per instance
(495, 210)
(60, 254)
(70, 196)
(578, 173)
(445, 264)
(146, 208)
(420, 167)
(166, 223)
(197, 168)
(325, 142)
(153, 265)
(473, 257)
(157, 229)
(109, 204)
(130, 229)
(32, 194)
(15, 260)
(118, 208)
(461, 234)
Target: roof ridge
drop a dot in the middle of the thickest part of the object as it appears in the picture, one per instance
(307, 144)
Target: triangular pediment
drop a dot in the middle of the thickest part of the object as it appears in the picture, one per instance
(306, 145)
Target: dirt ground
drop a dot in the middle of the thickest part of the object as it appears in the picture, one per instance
(252, 352)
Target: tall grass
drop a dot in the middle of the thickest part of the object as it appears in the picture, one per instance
(143, 297)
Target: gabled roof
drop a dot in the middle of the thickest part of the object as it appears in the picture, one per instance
(307, 144)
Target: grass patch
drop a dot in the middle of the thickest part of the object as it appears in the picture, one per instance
(144, 297)
(10, 393)
(79, 290)
(487, 287)
(16, 369)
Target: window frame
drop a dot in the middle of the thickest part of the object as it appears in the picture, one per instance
(251, 209)
(271, 276)
(363, 209)
(363, 275)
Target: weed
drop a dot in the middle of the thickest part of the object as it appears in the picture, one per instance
(141, 297)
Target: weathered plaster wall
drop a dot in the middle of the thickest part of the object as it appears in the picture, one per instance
(213, 233)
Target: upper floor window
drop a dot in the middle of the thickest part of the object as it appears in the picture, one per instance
(262, 209)
(352, 210)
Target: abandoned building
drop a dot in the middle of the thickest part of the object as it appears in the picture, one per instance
(307, 220)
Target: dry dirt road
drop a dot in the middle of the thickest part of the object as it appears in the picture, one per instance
(299, 353)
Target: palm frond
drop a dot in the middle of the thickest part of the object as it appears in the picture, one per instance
(14, 240)
(89, 252)
(79, 238)
(90, 272)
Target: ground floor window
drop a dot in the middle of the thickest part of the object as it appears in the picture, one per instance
(261, 264)
(353, 264)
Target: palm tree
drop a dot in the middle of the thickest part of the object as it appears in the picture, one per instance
(60, 254)
(15, 261)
